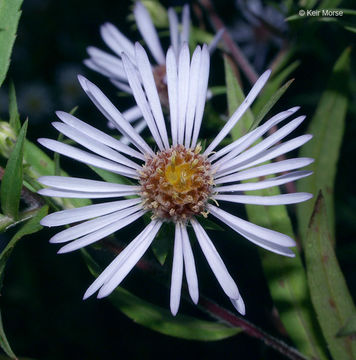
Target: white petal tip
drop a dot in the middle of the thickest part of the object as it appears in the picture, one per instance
(87, 294)
(239, 305)
(103, 294)
(174, 311)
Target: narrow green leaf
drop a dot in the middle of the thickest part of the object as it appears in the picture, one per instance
(9, 18)
(270, 103)
(160, 319)
(4, 342)
(327, 126)
(349, 328)
(11, 183)
(350, 28)
(286, 276)
(272, 87)
(13, 110)
(330, 296)
(329, 4)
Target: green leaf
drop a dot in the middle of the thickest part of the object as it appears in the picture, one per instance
(270, 103)
(9, 18)
(160, 319)
(11, 183)
(329, 4)
(330, 296)
(350, 28)
(349, 328)
(271, 88)
(13, 111)
(286, 276)
(4, 342)
(327, 126)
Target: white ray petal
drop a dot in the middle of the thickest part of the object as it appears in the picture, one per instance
(242, 225)
(141, 100)
(87, 158)
(132, 114)
(183, 89)
(189, 265)
(172, 85)
(202, 92)
(184, 36)
(263, 145)
(263, 170)
(260, 83)
(177, 271)
(283, 199)
(111, 113)
(84, 195)
(100, 234)
(214, 43)
(90, 226)
(267, 155)
(91, 64)
(128, 263)
(148, 32)
(116, 263)
(244, 142)
(84, 185)
(108, 62)
(98, 135)
(173, 30)
(69, 216)
(95, 146)
(141, 125)
(264, 184)
(150, 87)
(215, 262)
(116, 41)
(193, 95)
(239, 305)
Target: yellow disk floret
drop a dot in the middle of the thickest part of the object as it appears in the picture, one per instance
(176, 183)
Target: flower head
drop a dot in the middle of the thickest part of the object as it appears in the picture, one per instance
(177, 182)
(112, 66)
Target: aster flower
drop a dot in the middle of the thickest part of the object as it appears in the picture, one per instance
(178, 182)
(112, 67)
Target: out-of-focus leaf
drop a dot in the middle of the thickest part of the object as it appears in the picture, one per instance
(330, 296)
(349, 328)
(271, 88)
(4, 342)
(327, 126)
(350, 28)
(11, 183)
(218, 90)
(270, 103)
(329, 4)
(286, 276)
(9, 18)
(158, 13)
(13, 111)
(160, 319)
(40, 164)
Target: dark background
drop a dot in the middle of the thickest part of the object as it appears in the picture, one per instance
(43, 314)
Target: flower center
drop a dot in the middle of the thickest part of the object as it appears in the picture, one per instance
(176, 183)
